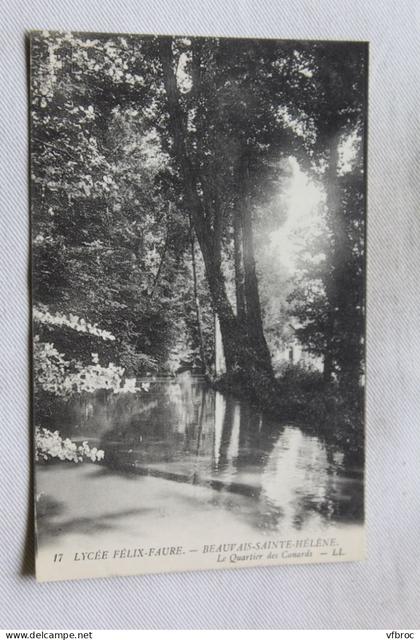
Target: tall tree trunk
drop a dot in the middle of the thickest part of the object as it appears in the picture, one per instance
(161, 262)
(163, 254)
(219, 354)
(243, 360)
(197, 305)
(342, 350)
(332, 202)
(254, 322)
(239, 266)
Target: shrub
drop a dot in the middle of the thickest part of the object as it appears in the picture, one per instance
(49, 444)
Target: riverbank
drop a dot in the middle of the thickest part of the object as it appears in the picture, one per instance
(302, 397)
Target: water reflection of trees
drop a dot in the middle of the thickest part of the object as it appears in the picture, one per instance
(185, 431)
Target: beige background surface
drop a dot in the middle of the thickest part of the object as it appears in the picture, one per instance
(384, 590)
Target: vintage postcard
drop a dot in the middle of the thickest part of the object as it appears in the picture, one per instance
(198, 227)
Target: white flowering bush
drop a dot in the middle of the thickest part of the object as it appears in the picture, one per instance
(52, 373)
(57, 376)
(49, 444)
(94, 376)
(42, 315)
(50, 367)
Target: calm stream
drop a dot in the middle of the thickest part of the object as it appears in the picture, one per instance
(184, 431)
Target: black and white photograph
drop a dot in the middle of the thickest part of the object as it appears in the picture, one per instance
(198, 209)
